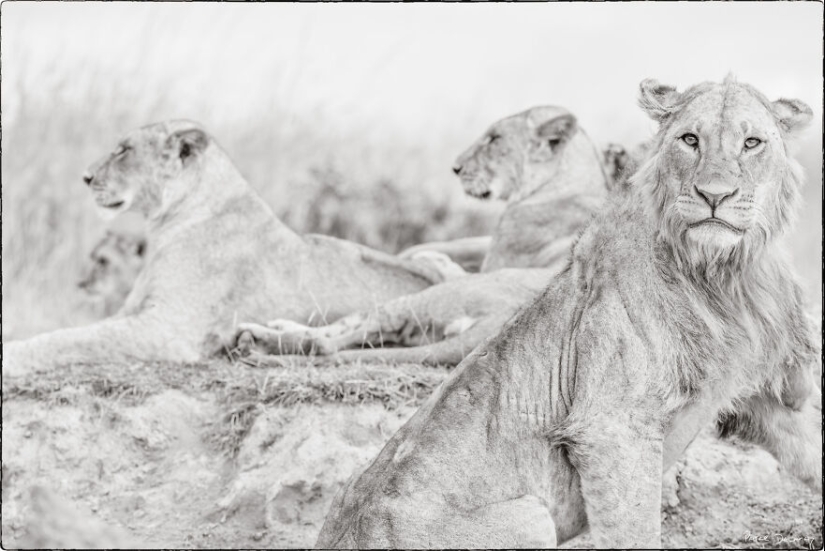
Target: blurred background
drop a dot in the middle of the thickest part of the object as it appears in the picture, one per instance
(347, 118)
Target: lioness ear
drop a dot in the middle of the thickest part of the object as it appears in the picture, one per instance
(557, 130)
(792, 115)
(657, 99)
(189, 142)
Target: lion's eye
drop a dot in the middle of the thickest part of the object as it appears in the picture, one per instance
(120, 150)
(750, 143)
(491, 138)
(690, 139)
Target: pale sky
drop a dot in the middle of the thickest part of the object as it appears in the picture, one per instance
(394, 62)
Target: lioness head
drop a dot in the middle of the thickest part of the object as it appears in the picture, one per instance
(145, 171)
(114, 265)
(720, 180)
(617, 163)
(516, 154)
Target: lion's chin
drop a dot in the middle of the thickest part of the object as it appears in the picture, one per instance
(107, 210)
(714, 235)
(479, 192)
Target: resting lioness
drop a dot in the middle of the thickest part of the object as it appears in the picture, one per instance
(216, 254)
(544, 166)
(501, 158)
(552, 175)
(677, 309)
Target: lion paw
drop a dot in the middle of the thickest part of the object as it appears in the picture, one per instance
(245, 343)
(284, 337)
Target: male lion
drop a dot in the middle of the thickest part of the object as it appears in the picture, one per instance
(114, 264)
(216, 254)
(677, 307)
(554, 180)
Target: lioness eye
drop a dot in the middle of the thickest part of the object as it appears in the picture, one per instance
(491, 138)
(690, 139)
(750, 143)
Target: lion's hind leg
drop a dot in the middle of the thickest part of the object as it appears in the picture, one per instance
(524, 522)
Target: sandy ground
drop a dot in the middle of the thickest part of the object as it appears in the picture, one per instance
(183, 462)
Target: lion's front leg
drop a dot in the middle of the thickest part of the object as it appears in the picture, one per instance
(289, 337)
(793, 437)
(280, 337)
(801, 371)
(620, 465)
(400, 321)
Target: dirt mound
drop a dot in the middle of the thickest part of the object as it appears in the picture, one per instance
(220, 455)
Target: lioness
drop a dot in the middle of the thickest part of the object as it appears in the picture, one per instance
(514, 161)
(216, 254)
(114, 264)
(677, 308)
(116, 261)
(113, 281)
(552, 175)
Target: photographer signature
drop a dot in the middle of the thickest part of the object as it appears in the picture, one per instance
(778, 538)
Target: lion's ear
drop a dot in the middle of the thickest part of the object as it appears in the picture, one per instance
(140, 247)
(792, 115)
(656, 99)
(189, 143)
(558, 129)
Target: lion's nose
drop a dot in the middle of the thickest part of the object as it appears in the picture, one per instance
(457, 169)
(88, 177)
(714, 199)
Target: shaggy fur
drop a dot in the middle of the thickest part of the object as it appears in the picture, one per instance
(216, 254)
(662, 322)
(562, 187)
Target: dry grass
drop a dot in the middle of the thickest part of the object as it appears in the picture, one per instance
(241, 392)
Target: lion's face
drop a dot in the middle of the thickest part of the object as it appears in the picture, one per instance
(140, 173)
(114, 265)
(515, 153)
(722, 180)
